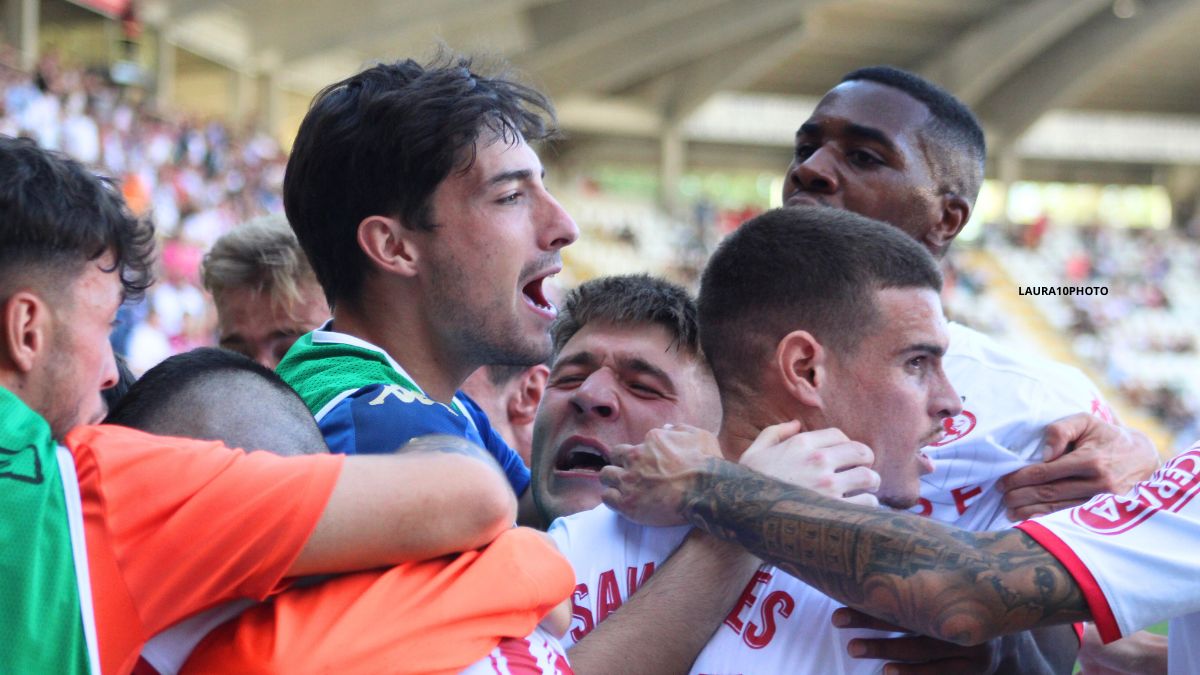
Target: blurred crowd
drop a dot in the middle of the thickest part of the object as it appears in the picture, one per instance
(195, 178)
(1141, 333)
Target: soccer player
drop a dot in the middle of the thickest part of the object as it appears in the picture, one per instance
(420, 204)
(437, 615)
(264, 290)
(810, 318)
(91, 524)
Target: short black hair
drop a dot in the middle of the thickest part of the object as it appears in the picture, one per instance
(629, 300)
(960, 152)
(217, 394)
(55, 216)
(803, 268)
(380, 142)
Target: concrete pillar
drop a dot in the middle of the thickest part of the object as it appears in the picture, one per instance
(1008, 171)
(21, 30)
(672, 160)
(242, 96)
(270, 103)
(164, 70)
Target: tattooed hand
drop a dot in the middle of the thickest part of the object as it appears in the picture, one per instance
(824, 461)
(914, 654)
(647, 482)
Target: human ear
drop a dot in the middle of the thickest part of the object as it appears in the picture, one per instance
(800, 361)
(26, 329)
(956, 211)
(522, 405)
(389, 245)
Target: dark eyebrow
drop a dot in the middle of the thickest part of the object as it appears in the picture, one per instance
(644, 367)
(871, 134)
(924, 348)
(577, 359)
(808, 129)
(515, 175)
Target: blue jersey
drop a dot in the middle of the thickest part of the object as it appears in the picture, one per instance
(365, 403)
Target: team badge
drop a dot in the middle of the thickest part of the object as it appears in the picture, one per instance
(955, 428)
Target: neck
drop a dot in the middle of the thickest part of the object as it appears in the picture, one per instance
(743, 421)
(394, 326)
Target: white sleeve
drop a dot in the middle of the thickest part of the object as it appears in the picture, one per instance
(1135, 557)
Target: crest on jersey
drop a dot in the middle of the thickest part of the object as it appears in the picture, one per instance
(1169, 489)
(955, 428)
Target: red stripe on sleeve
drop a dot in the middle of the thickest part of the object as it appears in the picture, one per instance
(1102, 613)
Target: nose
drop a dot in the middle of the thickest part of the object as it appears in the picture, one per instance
(558, 229)
(597, 396)
(945, 402)
(109, 375)
(815, 173)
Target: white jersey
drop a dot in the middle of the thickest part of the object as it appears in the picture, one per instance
(1136, 557)
(781, 624)
(1008, 399)
(778, 625)
(539, 654)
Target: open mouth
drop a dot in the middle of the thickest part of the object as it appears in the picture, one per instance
(535, 295)
(581, 457)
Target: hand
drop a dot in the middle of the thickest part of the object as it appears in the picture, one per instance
(914, 654)
(647, 483)
(824, 461)
(1082, 456)
(1141, 653)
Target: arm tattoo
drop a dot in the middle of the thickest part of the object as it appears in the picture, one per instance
(959, 586)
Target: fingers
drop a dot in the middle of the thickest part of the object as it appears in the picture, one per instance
(1033, 510)
(775, 434)
(1061, 434)
(843, 456)
(860, 479)
(909, 649)
(1074, 465)
(864, 499)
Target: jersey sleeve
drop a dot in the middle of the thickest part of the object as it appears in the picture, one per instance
(514, 467)
(435, 616)
(1133, 556)
(193, 523)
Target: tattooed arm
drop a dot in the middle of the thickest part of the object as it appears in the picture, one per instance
(958, 586)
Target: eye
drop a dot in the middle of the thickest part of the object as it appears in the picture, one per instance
(510, 199)
(645, 390)
(918, 363)
(804, 151)
(864, 158)
(568, 380)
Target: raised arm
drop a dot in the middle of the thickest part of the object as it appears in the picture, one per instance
(954, 585)
(439, 495)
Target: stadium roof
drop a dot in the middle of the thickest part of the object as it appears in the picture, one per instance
(622, 65)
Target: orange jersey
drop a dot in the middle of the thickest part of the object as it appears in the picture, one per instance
(175, 526)
(436, 616)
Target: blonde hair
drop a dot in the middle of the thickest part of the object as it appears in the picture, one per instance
(261, 255)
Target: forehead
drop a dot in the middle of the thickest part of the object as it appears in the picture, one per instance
(870, 104)
(909, 316)
(496, 156)
(96, 289)
(649, 342)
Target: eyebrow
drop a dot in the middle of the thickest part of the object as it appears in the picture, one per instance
(624, 362)
(515, 175)
(924, 348)
(855, 130)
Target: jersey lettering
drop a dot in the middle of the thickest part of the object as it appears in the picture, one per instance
(580, 612)
(746, 601)
(964, 494)
(776, 602)
(633, 582)
(1169, 489)
(610, 595)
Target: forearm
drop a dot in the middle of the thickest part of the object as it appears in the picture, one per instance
(666, 624)
(957, 586)
(389, 509)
